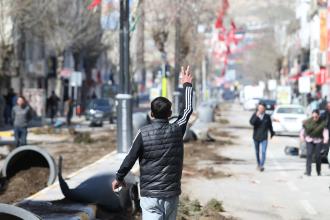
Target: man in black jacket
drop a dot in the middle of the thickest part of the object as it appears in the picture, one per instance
(159, 148)
(261, 123)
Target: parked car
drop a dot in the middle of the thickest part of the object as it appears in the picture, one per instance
(270, 105)
(228, 95)
(251, 104)
(99, 110)
(288, 119)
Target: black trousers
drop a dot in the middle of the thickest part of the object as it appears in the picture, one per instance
(311, 149)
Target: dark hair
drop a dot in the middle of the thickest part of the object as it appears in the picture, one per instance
(263, 104)
(161, 107)
(22, 97)
(316, 111)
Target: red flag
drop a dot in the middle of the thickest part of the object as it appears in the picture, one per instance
(218, 23)
(222, 13)
(225, 5)
(94, 3)
(221, 37)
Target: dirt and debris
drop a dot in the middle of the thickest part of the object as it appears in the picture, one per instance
(24, 184)
(83, 149)
(79, 150)
(198, 151)
(192, 209)
(223, 121)
(83, 138)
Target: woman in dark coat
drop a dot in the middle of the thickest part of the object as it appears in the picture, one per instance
(315, 134)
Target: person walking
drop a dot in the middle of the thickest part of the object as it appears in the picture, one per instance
(52, 106)
(21, 115)
(68, 111)
(315, 134)
(262, 124)
(159, 148)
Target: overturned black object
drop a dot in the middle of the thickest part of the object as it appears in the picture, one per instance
(98, 190)
(291, 151)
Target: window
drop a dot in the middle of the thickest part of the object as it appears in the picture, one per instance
(291, 111)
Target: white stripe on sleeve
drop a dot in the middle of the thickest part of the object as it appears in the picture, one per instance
(188, 108)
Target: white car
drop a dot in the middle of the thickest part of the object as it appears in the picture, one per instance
(288, 119)
(251, 104)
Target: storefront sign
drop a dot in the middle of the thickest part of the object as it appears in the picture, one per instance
(304, 84)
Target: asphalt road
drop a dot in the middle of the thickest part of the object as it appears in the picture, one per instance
(281, 192)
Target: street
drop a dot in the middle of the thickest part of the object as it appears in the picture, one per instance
(281, 192)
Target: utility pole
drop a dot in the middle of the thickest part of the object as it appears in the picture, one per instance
(124, 98)
(177, 64)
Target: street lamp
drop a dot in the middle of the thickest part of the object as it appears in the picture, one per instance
(124, 98)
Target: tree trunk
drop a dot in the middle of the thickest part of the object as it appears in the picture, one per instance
(60, 63)
(140, 62)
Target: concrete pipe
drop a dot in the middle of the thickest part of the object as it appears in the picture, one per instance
(205, 114)
(25, 157)
(213, 103)
(10, 212)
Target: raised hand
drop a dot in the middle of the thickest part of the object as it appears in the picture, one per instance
(186, 76)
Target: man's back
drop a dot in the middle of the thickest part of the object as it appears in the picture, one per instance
(161, 159)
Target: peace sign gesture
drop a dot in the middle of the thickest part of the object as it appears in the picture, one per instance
(186, 76)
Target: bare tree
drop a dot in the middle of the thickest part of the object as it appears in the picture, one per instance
(62, 24)
(260, 62)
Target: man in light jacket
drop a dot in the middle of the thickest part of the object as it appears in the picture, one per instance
(21, 115)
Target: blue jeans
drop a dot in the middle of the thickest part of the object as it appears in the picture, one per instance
(159, 208)
(263, 144)
(20, 136)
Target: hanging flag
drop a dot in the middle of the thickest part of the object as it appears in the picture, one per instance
(134, 23)
(93, 4)
(135, 14)
(218, 23)
(222, 12)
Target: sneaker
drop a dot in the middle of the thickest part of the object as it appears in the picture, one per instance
(262, 169)
(307, 174)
